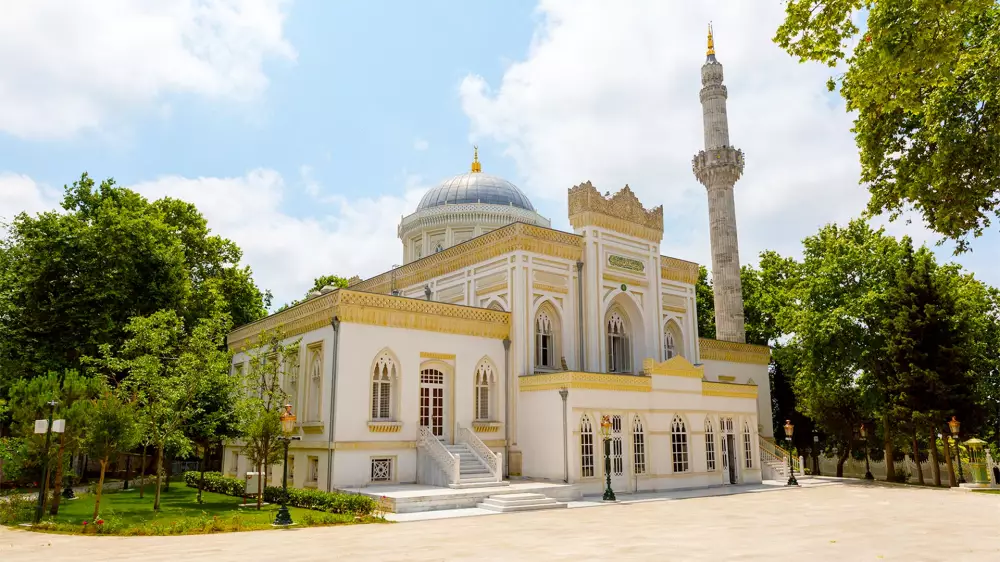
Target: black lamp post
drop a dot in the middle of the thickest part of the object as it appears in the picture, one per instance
(284, 518)
(609, 494)
(954, 425)
(45, 462)
(789, 428)
(868, 469)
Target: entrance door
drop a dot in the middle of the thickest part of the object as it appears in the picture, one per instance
(728, 451)
(432, 414)
(619, 471)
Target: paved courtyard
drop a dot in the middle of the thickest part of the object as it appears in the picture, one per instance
(842, 522)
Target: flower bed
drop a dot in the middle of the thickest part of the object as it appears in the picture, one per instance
(332, 502)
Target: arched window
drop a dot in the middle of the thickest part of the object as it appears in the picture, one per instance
(619, 350)
(638, 447)
(292, 380)
(669, 347)
(673, 344)
(586, 447)
(383, 376)
(496, 306)
(747, 446)
(709, 445)
(679, 444)
(485, 379)
(315, 386)
(545, 338)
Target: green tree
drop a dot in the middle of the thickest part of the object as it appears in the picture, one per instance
(921, 80)
(72, 279)
(705, 303)
(112, 431)
(318, 284)
(215, 416)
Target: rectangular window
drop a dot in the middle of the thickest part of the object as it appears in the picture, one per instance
(710, 450)
(639, 446)
(234, 461)
(587, 453)
(313, 469)
(382, 469)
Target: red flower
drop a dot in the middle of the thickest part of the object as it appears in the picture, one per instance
(84, 522)
(99, 521)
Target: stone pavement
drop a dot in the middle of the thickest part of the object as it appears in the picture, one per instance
(841, 522)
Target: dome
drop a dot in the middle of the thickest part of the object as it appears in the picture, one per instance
(475, 187)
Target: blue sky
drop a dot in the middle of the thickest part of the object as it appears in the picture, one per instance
(304, 129)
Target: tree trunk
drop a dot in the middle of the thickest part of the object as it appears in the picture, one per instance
(890, 450)
(841, 460)
(100, 488)
(57, 482)
(935, 461)
(952, 481)
(260, 485)
(45, 485)
(916, 459)
(201, 467)
(159, 477)
(142, 472)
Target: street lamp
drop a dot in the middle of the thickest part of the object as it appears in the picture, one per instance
(284, 518)
(954, 425)
(609, 494)
(789, 428)
(868, 468)
(45, 459)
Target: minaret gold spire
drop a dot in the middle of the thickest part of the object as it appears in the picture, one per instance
(711, 43)
(476, 167)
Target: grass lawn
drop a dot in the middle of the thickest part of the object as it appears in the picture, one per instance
(987, 491)
(124, 513)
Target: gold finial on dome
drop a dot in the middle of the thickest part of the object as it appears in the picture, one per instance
(711, 42)
(476, 167)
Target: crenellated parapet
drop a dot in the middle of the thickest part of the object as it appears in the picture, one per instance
(621, 212)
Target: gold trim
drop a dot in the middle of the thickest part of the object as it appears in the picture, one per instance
(677, 309)
(385, 426)
(728, 389)
(586, 381)
(380, 310)
(622, 212)
(716, 350)
(433, 355)
(623, 279)
(491, 289)
(673, 269)
(727, 378)
(373, 445)
(486, 427)
(674, 367)
(550, 288)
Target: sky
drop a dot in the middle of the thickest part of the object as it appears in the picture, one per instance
(304, 130)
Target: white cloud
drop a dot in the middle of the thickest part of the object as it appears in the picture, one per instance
(609, 92)
(421, 144)
(71, 66)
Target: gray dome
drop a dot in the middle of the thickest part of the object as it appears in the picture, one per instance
(475, 187)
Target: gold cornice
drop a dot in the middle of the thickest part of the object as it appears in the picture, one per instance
(379, 310)
(586, 381)
(510, 238)
(716, 350)
(624, 279)
(674, 367)
(433, 355)
(682, 271)
(550, 288)
(622, 212)
(728, 390)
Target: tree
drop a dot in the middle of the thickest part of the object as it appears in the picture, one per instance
(215, 417)
(260, 410)
(705, 303)
(72, 279)
(922, 80)
(112, 431)
(164, 366)
(319, 284)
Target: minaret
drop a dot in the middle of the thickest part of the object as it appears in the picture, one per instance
(717, 168)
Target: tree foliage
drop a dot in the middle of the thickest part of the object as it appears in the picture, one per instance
(922, 80)
(111, 430)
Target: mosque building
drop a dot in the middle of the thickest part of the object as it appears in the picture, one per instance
(503, 351)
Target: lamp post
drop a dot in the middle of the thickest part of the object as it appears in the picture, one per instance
(954, 425)
(284, 518)
(609, 494)
(45, 460)
(868, 468)
(789, 428)
(815, 452)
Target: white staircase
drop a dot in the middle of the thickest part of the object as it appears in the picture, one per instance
(506, 503)
(472, 471)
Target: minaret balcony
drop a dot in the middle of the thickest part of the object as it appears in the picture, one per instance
(715, 166)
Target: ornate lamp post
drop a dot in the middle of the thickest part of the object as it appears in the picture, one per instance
(868, 468)
(954, 425)
(789, 428)
(284, 518)
(609, 494)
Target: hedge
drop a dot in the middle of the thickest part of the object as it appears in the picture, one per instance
(333, 502)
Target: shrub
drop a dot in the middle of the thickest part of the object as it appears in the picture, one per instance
(332, 502)
(16, 509)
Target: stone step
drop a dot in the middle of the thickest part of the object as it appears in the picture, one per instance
(519, 502)
(479, 483)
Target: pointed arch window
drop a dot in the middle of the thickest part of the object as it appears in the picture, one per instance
(619, 350)
(673, 344)
(292, 379)
(679, 444)
(586, 447)
(485, 381)
(669, 346)
(315, 386)
(384, 376)
(545, 339)
(638, 447)
(709, 445)
(747, 446)
(496, 306)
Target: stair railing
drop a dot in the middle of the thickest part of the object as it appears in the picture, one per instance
(449, 463)
(493, 461)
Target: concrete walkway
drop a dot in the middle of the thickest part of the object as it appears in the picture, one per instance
(821, 521)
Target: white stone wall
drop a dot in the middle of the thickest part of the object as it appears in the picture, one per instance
(743, 373)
